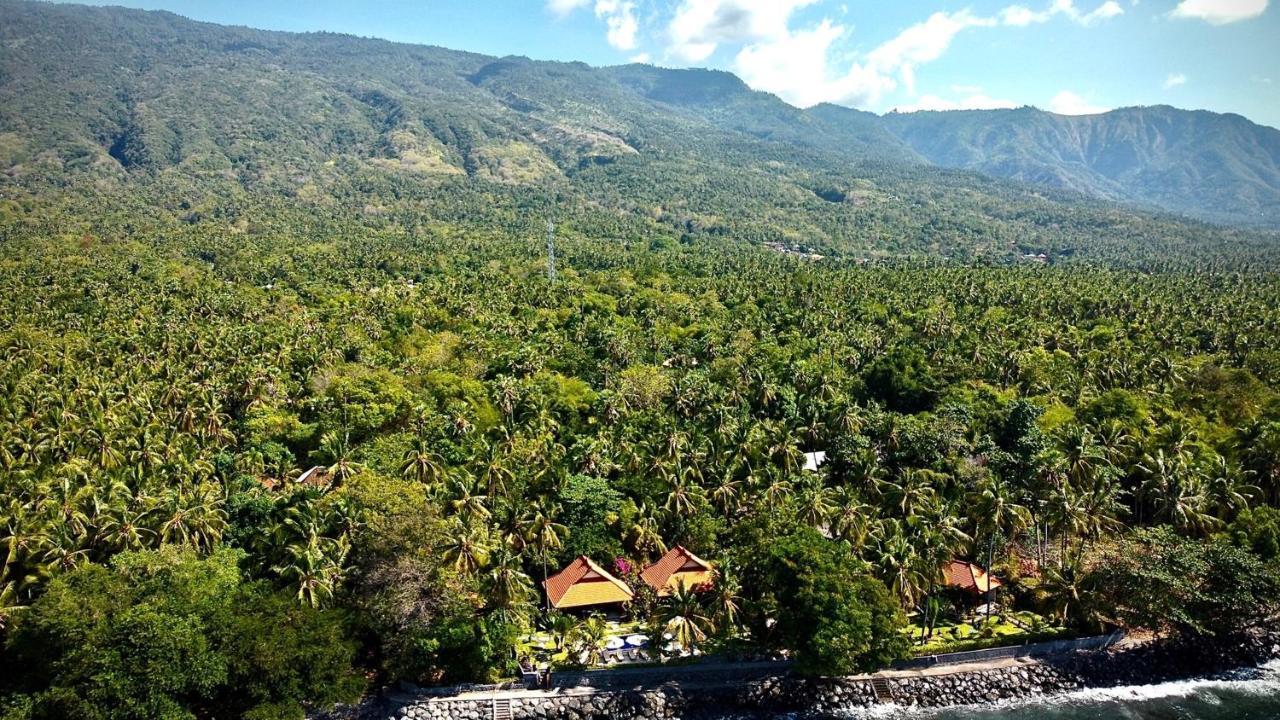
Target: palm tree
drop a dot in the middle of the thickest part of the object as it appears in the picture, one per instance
(1261, 451)
(725, 495)
(644, 536)
(853, 520)
(1176, 492)
(421, 463)
(911, 491)
(509, 588)
(938, 538)
(899, 562)
(784, 448)
(464, 501)
(725, 592)
(815, 503)
(865, 475)
(1115, 442)
(997, 513)
(683, 616)
(317, 566)
(495, 476)
(60, 548)
(1063, 587)
(126, 528)
(9, 603)
(1066, 511)
(466, 548)
(339, 453)
(192, 517)
(1081, 454)
(776, 490)
(588, 637)
(684, 497)
(545, 532)
(1227, 489)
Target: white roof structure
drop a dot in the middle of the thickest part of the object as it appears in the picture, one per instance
(814, 460)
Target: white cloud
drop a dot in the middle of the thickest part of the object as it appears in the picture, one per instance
(975, 101)
(620, 18)
(564, 7)
(1069, 103)
(800, 65)
(700, 26)
(921, 43)
(643, 58)
(1220, 12)
(1105, 11)
(1174, 80)
(796, 67)
(1021, 15)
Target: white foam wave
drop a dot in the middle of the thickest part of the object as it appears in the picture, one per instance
(1263, 681)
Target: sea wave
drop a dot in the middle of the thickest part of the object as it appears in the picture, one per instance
(1249, 686)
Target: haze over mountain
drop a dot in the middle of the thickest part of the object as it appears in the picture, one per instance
(128, 96)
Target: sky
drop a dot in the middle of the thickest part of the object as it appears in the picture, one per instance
(1068, 56)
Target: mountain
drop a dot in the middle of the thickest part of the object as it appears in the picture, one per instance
(108, 106)
(1218, 167)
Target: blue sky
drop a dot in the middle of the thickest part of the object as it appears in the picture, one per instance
(1071, 56)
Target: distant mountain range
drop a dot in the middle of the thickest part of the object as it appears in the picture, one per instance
(121, 95)
(1213, 166)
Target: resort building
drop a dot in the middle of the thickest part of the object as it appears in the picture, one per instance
(582, 584)
(969, 577)
(678, 568)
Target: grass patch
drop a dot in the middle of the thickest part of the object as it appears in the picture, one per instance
(999, 631)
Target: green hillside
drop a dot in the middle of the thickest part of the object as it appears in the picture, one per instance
(125, 101)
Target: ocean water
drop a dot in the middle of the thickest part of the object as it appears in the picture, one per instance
(1243, 695)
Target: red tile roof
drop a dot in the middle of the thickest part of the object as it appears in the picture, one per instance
(584, 583)
(677, 567)
(969, 576)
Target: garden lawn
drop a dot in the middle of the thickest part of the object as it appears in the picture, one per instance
(999, 631)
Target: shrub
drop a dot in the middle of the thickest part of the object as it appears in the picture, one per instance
(170, 634)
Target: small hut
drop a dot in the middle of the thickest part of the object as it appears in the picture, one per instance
(583, 584)
(678, 568)
(317, 476)
(969, 578)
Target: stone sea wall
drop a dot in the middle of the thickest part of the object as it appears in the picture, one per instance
(1149, 663)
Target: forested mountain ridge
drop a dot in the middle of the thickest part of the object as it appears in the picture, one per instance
(1219, 167)
(128, 101)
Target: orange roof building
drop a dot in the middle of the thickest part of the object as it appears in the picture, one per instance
(583, 583)
(678, 568)
(969, 577)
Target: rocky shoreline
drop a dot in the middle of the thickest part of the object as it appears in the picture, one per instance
(1147, 663)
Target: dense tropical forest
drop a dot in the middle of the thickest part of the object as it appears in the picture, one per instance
(189, 328)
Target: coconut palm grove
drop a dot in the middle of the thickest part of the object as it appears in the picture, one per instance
(330, 364)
